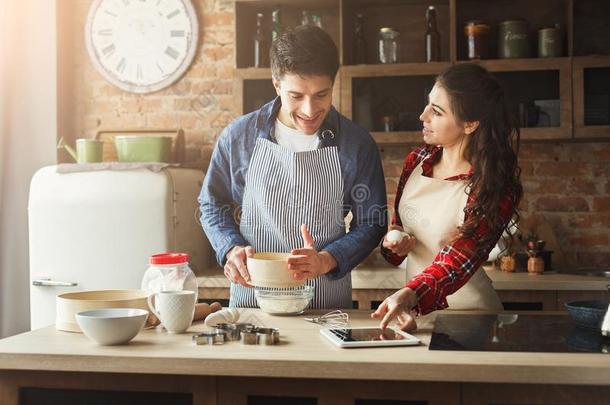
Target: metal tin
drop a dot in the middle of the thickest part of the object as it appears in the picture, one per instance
(248, 337)
(230, 330)
(265, 340)
(209, 338)
(549, 43)
(513, 39)
(245, 326)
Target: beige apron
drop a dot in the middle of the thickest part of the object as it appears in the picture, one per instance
(431, 210)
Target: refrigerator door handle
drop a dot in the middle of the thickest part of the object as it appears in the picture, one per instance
(47, 282)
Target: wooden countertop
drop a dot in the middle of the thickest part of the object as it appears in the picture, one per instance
(393, 278)
(304, 353)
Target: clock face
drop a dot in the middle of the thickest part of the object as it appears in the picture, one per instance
(141, 46)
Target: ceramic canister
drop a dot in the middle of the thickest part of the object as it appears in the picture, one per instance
(513, 39)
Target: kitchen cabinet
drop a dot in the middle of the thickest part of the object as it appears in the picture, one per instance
(591, 69)
(549, 95)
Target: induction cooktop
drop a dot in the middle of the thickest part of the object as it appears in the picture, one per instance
(515, 333)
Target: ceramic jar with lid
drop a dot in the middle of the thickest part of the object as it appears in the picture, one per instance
(513, 39)
(477, 40)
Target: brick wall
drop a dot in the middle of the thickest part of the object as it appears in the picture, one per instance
(566, 184)
(200, 103)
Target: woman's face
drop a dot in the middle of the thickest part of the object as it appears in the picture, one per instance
(440, 125)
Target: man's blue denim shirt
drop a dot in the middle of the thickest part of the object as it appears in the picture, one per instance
(364, 192)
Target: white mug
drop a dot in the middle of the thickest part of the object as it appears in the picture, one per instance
(175, 309)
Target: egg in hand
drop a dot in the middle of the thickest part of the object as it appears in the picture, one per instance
(395, 235)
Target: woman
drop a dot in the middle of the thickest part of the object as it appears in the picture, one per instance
(455, 198)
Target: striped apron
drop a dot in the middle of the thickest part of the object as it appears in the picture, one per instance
(283, 190)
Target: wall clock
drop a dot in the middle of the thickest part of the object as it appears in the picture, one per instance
(142, 46)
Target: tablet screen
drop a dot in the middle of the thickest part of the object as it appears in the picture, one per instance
(366, 335)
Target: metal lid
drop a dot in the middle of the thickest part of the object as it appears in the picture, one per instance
(512, 22)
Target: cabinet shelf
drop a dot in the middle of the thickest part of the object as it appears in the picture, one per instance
(526, 80)
(394, 69)
(253, 73)
(591, 96)
(398, 138)
(518, 65)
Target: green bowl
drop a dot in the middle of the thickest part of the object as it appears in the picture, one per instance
(132, 148)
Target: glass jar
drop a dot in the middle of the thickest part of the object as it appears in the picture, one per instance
(477, 39)
(389, 47)
(169, 272)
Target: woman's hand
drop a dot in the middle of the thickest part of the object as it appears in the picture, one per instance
(235, 268)
(402, 247)
(398, 305)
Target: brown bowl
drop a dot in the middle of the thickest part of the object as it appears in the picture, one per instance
(69, 304)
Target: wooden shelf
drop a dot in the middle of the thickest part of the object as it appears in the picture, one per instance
(253, 73)
(403, 138)
(545, 133)
(520, 65)
(397, 138)
(394, 69)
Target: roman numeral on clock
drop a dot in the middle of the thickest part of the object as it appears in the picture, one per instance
(121, 66)
(108, 50)
(171, 52)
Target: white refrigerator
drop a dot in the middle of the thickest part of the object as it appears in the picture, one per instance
(96, 230)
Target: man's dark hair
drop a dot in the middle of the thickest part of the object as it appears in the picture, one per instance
(305, 50)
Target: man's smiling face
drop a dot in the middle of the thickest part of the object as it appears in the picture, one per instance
(306, 100)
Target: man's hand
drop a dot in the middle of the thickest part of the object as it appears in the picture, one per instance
(398, 305)
(235, 268)
(307, 262)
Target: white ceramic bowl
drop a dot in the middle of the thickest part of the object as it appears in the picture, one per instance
(111, 326)
(271, 270)
(69, 304)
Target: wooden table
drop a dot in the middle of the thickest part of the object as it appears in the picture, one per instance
(304, 365)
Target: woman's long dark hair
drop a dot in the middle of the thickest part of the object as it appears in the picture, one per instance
(491, 150)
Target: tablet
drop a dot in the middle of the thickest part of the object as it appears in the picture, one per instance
(368, 337)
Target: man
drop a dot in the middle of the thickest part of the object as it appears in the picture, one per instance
(295, 168)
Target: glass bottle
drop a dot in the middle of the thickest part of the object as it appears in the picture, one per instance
(359, 42)
(433, 37)
(305, 18)
(389, 47)
(276, 24)
(317, 21)
(259, 43)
